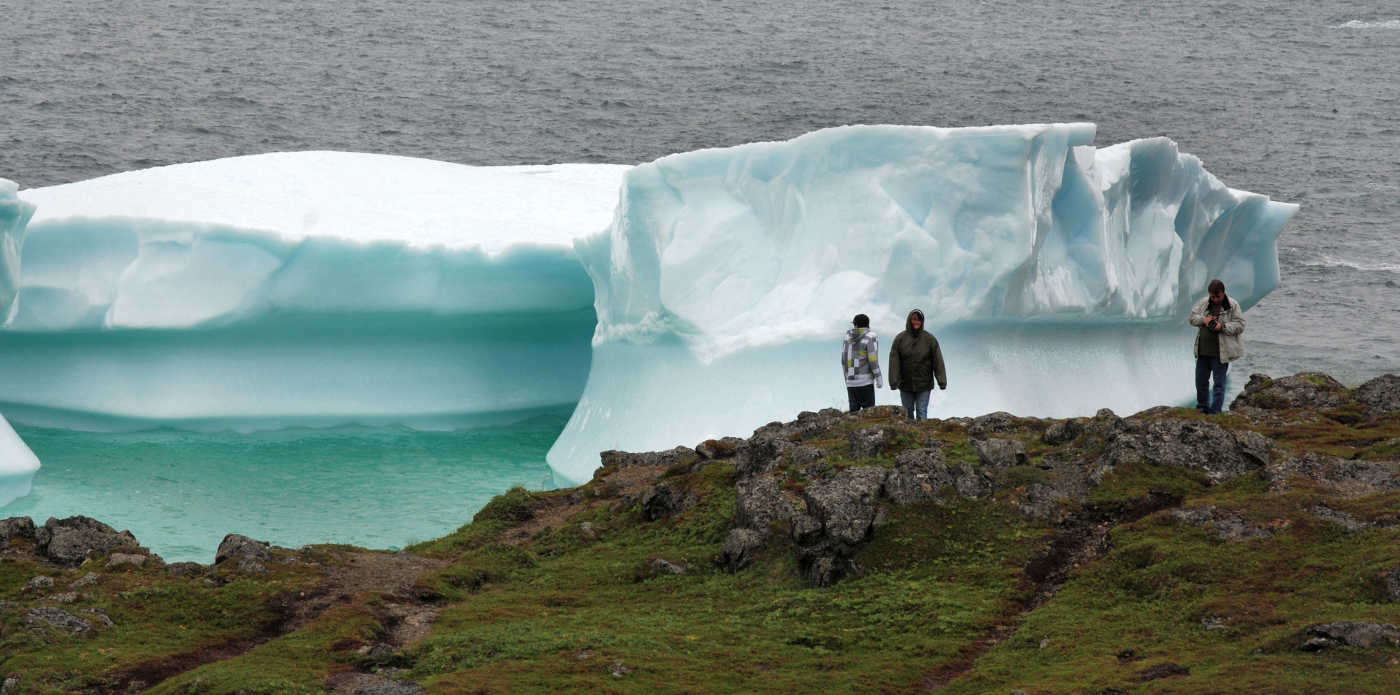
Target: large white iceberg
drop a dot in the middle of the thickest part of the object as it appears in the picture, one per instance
(714, 285)
(1055, 274)
(17, 464)
(304, 288)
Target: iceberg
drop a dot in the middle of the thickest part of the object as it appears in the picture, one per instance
(699, 295)
(311, 288)
(17, 465)
(1056, 274)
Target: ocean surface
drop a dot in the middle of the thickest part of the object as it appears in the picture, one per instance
(1298, 101)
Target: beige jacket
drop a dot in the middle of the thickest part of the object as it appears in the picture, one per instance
(1231, 345)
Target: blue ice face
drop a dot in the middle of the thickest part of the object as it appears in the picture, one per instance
(1055, 274)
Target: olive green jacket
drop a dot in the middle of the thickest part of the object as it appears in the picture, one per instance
(916, 361)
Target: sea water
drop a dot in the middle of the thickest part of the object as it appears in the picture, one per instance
(378, 487)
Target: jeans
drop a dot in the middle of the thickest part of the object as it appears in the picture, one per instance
(1210, 400)
(861, 397)
(915, 404)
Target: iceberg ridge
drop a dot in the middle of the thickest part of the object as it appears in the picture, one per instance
(327, 288)
(1055, 274)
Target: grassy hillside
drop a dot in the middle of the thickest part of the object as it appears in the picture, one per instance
(1167, 552)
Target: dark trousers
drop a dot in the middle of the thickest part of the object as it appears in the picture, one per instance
(1210, 400)
(861, 397)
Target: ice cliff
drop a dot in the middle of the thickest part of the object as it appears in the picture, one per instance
(320, 288)
(304, 288)
(1055, 274)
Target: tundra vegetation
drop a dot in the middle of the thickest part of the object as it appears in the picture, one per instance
(1165, 552)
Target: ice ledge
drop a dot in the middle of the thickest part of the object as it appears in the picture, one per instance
(768, 243)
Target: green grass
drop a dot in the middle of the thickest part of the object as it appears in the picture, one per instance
(940, 591)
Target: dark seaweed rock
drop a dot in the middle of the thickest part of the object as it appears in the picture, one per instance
(69, 541)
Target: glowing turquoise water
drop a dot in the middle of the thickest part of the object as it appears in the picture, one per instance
(378, 487)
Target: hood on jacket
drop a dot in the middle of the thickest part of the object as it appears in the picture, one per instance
(854, 334)
(909, 320)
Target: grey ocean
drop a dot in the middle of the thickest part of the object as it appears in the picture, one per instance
(1298, 102)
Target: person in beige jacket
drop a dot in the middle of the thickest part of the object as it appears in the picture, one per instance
(1220, 322)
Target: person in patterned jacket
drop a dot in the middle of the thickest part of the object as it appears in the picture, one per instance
(860, 363)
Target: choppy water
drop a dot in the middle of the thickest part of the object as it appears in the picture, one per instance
(1295, 100)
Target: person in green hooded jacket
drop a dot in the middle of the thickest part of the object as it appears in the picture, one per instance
(916, 362)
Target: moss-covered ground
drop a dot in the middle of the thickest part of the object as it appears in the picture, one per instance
(560, 591)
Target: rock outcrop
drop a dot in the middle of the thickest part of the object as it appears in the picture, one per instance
(70, 541)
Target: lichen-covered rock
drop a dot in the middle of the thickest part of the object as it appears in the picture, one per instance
(723, 448)
(1041, 501)
(185, 569)
(1381, 393)
(868, 442)
(1000, 453)
(121, 559)
(1338, 517)
(1306, 390)
(663, 500)
(242, 553)
(760, 454)
(821, 569)
(678, 456)
(664, 566)
(1224, 525)
(69, 541)
(1392, 585)
(1353, 634)
(1341, 477)
(1062, 432)
(57, 618)
(739, 548)
(987, 425)
(846, 504)
(760, 502)
(918, 475)
(16, 527)
(1220, 453)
